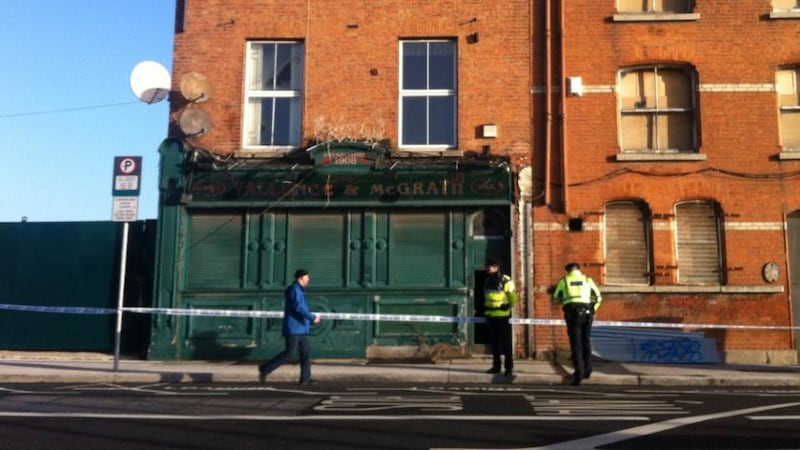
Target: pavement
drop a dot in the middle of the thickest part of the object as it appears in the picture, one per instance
(69, 367)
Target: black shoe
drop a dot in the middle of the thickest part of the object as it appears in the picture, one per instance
(576, 382)
(262, 376)
(588, 375)
(509, 373)
(308, 382)
(493, 370)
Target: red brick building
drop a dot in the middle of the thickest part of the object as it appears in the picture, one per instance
(673, 175)
(652, 142)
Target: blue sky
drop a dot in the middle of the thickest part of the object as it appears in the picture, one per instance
(66, 106)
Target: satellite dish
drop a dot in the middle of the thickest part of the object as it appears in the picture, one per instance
(194, 122)
(195, 87)
(150, 82)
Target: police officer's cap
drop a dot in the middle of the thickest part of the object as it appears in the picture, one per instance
(572, 266)
(492, 262)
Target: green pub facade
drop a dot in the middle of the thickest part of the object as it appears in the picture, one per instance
(380, 234)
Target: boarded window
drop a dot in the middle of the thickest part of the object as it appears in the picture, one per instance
(785, 5)
(215, 250)
(697, 243)
(316, 241)
(627, 244)
(418, 249)
(657, 110)
(789, 108)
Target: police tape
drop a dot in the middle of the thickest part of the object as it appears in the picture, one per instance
(372, 317)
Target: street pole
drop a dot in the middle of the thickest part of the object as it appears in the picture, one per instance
(121, 294)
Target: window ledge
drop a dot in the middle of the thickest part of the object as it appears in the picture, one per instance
(784, 15)
(430, 153)
(788, 155)
(655, 17)
(691, 289)
(650, 156)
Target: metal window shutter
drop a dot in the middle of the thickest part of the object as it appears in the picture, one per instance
(627, 254)
(316, 243)
(417, 250)
(697, 243)
(215, 250)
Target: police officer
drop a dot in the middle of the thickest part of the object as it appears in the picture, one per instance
(580, 299)
(499, 299)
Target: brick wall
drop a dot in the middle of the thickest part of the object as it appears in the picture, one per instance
(352, 62)
(736, 51)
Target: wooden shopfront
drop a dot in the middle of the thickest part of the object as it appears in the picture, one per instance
(379, 234)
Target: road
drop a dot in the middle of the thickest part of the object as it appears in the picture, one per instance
(381, 416)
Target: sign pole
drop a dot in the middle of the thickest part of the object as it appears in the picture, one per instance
(127, 171)
(121, 294)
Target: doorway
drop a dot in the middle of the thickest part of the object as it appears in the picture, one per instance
(793, 237)
(488, 238)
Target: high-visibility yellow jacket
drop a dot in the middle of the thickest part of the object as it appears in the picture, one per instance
(577, 288)
(499, 296)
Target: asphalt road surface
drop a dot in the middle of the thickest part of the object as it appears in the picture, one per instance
(381, 416)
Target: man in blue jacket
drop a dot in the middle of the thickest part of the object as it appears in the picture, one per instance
(297, 320)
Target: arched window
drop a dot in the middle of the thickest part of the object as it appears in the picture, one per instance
(488, 224)
(657, 110)
(627, 243)
(697, 242)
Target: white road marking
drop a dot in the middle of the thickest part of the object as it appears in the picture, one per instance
(773, 417)
(266, 418)
(600, 440)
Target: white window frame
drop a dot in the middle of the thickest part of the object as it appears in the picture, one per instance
(251, 117)
(404, 93)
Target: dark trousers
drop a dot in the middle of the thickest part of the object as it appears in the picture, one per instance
(500, 337)
(293, 343)
(579, 317)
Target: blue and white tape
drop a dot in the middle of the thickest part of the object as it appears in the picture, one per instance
(371, 317)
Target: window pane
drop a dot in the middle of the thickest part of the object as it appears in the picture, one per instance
(785, 5)
(786, 84)
(675, 131)
(442, 120)
(415, 117)
(264, 126)
(267, 81)
(636, 131)
(634, 5)
(674, 89)
(442, 65)
(674, 6)
(415, 65)
(790, 129)
(638, 89)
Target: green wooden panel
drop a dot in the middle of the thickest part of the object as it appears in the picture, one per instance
(317, 244)
(418, 248)
(457, 262)
(418, 333)
(214, 254)
(220, 337)
(356, 228)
